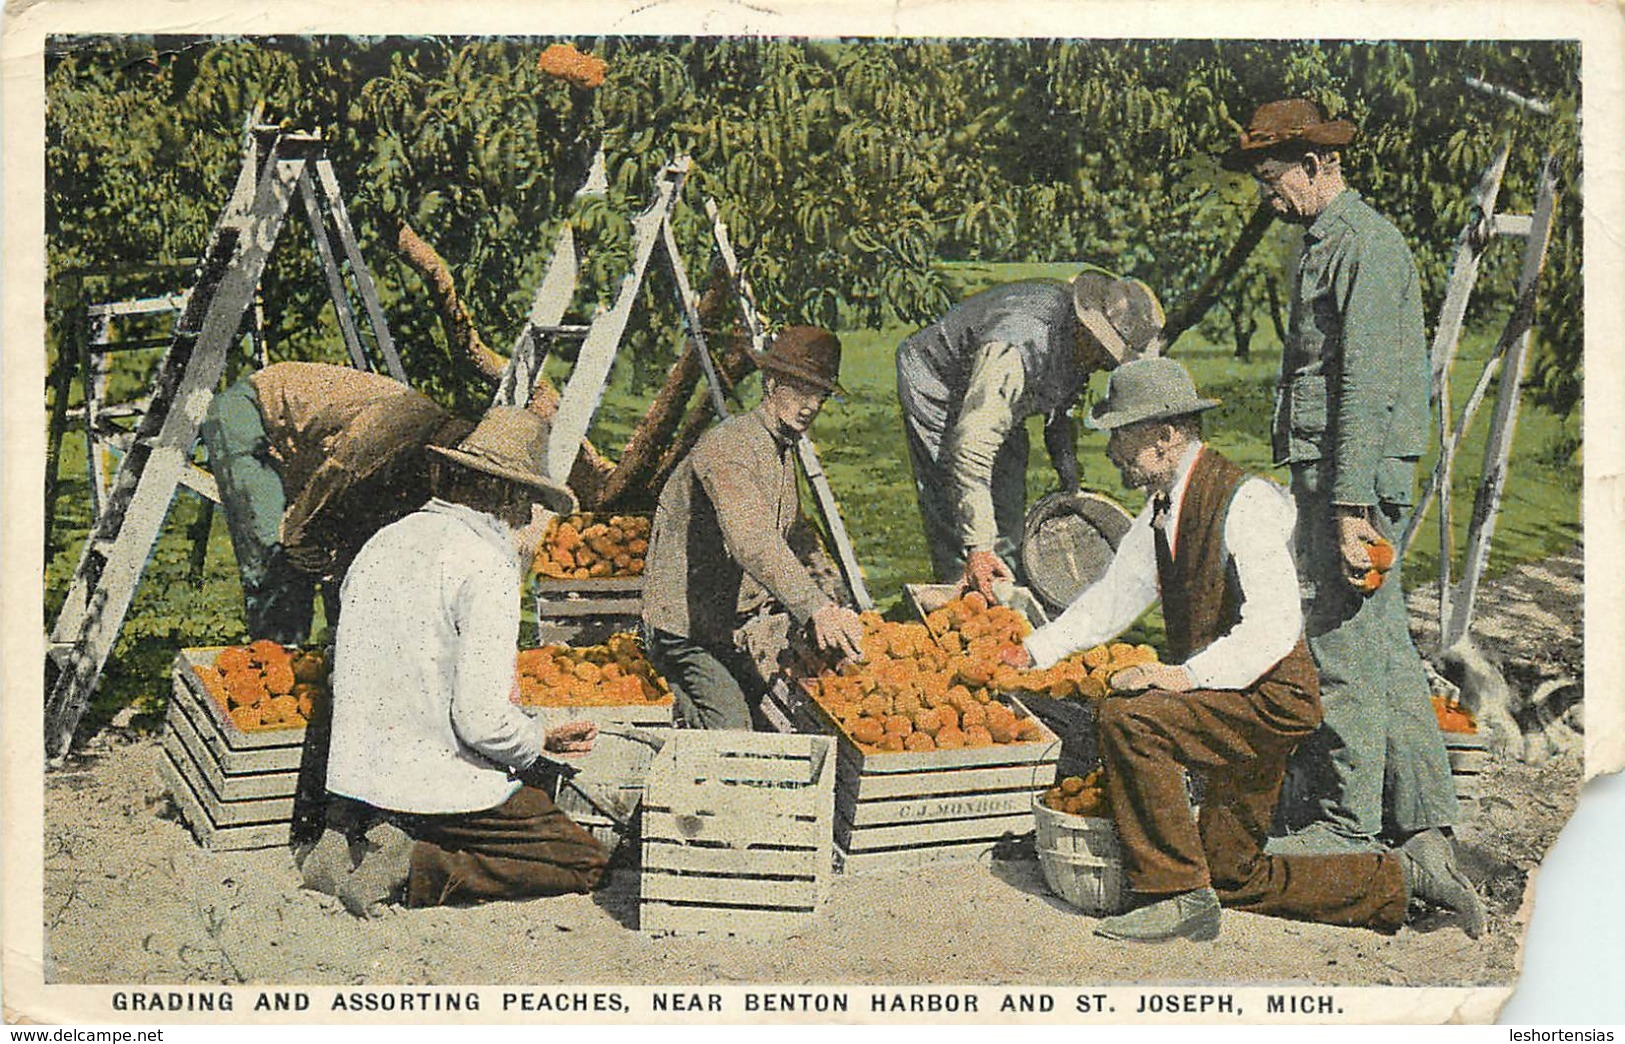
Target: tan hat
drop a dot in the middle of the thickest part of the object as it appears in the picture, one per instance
(1279, 125)
(1122, 315)
(1145, 390)
(806, 353)
(511, 443)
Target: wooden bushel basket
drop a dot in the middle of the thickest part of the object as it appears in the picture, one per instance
(1067, 542)
(1081, 860)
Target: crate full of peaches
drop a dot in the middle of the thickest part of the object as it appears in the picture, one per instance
(926, 687)
(587, 546)
(263, 685)
(613, 674)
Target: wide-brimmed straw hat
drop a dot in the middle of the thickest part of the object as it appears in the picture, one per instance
(806, 353)
(1123, 315)
(1281, 126)
(1144, 390)
(511, 443)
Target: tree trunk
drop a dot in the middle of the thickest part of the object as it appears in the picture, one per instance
(1191, 312)
(591, 470)
(1272, 289)
(1242, 327)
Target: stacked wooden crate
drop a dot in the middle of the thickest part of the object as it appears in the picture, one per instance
(581, 612)
(900, 810)
(234, 788)
(737, 833)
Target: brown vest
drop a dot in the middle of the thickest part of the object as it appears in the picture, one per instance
(1201, 597)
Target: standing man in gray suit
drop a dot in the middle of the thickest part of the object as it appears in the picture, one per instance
(1351, 420)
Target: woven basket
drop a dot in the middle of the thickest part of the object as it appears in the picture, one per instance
(604, 795)
(1081, 860)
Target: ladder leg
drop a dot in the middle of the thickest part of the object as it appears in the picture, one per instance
(328, 182)
(1498, 448)
(336, 289)
(68, 353)
(121, 541)
(585, 389)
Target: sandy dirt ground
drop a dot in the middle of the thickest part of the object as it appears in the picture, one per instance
(130, 898)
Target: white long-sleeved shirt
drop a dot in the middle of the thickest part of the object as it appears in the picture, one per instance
(1258, 540)
(424, 667)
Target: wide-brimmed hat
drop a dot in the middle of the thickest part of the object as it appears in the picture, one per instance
(1146, 390)
(511, 443)
(1280, 126)
(1123, 315)
(807, 353)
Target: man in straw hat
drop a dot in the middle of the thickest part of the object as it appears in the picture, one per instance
(426, 798)
(726, 512)
(968, 382)
(1351, 420)
(1237, 695)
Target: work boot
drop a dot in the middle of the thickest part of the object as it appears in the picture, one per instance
(380, 878)
(1431, 875)
(325, 866)
(1186, 915)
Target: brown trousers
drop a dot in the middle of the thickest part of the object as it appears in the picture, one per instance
(1239, 743)
(525, 847)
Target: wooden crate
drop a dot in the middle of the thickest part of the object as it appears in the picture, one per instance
(585, 612)
(900, 810)
(1469, 757)
(737, 833)
(644, 715)
(235, 789)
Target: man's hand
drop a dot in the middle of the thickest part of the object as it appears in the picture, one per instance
(982, 570)
(1355, 534)
(1168, 677)
(573, 737)
(837, 629)
(1016, 656)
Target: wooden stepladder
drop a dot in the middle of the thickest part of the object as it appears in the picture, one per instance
(157, 457)
(601, 340)
(1457, 600)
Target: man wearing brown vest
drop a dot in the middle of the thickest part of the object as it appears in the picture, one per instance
(1237, 695)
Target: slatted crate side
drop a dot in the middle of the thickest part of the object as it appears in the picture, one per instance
(643, 714)
(228, 784)
(1469, 758)
(223, 811)
(192, 703)
(910, 857)
(209, 834)
(737, 833)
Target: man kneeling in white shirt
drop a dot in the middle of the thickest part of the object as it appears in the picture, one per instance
(425, 790)
(1238, 694)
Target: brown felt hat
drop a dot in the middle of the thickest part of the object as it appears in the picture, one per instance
(511, 443)
(1282, 126)
(806, 353)
(1122, 315)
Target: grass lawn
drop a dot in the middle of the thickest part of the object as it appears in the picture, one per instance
(861, 444)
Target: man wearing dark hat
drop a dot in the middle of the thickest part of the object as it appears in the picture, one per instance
(1237, 695)
(1351, 420)
(725, 512)
(968, 382)
(312, 460)
(428, 781)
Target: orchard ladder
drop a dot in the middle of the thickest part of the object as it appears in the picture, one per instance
(1457, 600)
(158, 457)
